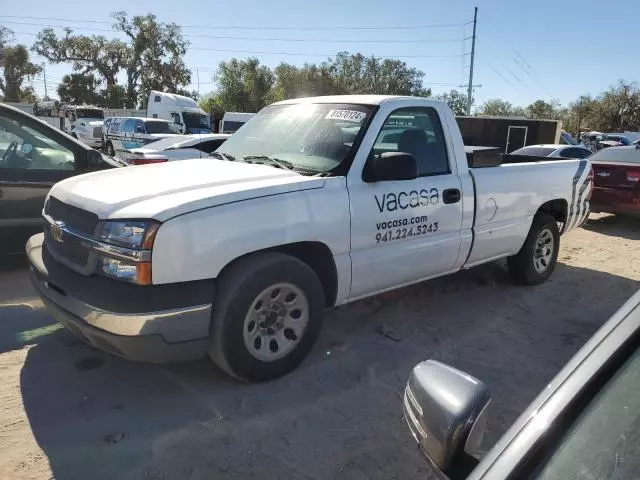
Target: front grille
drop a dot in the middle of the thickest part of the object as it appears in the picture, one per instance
(74, 217)
(97, 132)
(71, 249)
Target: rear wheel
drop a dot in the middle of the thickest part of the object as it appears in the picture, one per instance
(537, 258)
(110, 151)
(266, 317)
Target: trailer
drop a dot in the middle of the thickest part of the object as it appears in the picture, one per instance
(508, 133)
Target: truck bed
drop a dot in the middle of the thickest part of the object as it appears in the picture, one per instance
(481, 157)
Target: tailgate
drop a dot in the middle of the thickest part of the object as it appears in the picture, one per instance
(616, 175)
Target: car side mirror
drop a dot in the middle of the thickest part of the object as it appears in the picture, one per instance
(391, 166)
(446, 411)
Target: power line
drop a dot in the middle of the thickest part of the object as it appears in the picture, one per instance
(258, 39)
(237, 27)
(308, 54)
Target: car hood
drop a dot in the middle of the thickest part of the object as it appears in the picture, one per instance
(163, 191)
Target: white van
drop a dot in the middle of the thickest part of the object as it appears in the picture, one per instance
(132, 132)
(181, 110)
(232, 121)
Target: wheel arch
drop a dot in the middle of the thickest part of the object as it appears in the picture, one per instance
(557, 208)
(316, 255)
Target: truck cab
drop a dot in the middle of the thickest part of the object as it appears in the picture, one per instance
(85, 123)
(183, 111)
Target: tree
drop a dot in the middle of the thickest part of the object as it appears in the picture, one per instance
(80, 88)
(244, 85)
(16, 69)
(152, 56)
(456, 100)
(500, 108)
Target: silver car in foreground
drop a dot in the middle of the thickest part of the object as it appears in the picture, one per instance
(584, 425)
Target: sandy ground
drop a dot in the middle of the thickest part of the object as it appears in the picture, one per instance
(71, 412)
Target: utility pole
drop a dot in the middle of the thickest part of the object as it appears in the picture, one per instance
(44, 74)
(198, 75)
(473, 55)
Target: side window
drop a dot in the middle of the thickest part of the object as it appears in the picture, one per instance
(418, 131)
(22, 147)
(139, 128)
(127, 126)
(176, 118)
(209, 146)
(156, 98)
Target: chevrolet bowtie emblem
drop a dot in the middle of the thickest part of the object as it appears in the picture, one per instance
(56, 231)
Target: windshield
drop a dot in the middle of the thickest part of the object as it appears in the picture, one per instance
(534, 151)
(195, 120)
(309, 136)
(567, 139)
(158, 127)
(89, 113)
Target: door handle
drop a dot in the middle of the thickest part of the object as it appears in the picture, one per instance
(451, 195)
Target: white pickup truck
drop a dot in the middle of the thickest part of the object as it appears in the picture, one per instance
(313, 203)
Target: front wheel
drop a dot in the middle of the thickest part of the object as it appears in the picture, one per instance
(266, 317)
(110, 151)
(537, 258)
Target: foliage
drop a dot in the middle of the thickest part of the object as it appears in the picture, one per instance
(80, 88)
(500, 108)
(245, 85)
(16, 68)
(151, 58)
(456, 100)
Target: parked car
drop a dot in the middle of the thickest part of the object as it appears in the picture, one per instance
(291, 217)
(134, 132)
(617, 180)
(34, 156)
(174, 148)
(584, 425)
(554, 151)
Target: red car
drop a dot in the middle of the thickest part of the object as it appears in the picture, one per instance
(617, 180)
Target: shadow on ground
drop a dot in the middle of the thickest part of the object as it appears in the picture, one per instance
(340, 414)
(615, 226)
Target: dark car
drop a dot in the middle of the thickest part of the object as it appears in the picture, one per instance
(584, 425)
(616, 180)
(33, 156)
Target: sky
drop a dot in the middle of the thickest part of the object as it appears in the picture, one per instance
(524, 50)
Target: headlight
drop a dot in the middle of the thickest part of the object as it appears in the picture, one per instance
(126, 251)
(134, 234)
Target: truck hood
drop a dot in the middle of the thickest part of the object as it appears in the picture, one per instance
(163, 191)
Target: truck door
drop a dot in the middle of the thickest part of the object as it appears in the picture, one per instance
(403, 231)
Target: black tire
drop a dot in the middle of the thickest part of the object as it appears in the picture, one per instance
(238, 288)
(522, 266)
(110, 151)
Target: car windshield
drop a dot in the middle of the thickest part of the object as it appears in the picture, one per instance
(604, 442)
(89, 113)
(195, 120)
(535, 151)
(616, 155)
(158, 127)
(309, 136)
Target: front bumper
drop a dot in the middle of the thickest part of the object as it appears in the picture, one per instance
(121, 324)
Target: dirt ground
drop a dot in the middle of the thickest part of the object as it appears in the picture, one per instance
(68, 411)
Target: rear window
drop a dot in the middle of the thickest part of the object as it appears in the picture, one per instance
(617, 155)
(534, 151)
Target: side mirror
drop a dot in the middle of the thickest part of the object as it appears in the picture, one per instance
(446, 411)
(391, 166)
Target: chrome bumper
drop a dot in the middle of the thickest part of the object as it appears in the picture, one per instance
(185, 328)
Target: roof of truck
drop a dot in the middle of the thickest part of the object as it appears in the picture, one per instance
(356, 99)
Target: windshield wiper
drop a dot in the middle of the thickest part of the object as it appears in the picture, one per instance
(223, 156)
(266, 160)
